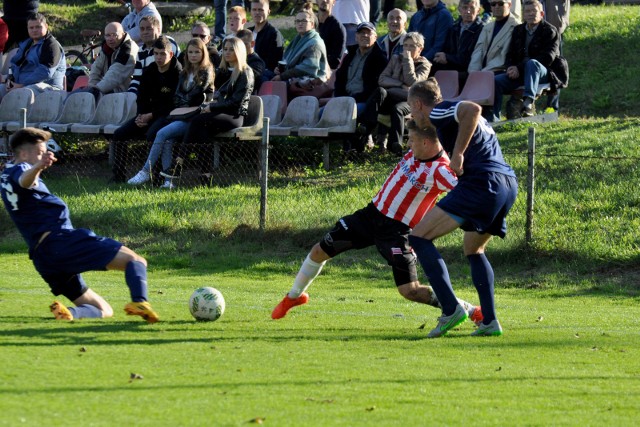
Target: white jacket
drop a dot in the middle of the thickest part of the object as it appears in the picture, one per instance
(496, 50)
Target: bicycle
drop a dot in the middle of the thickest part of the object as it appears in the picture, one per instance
(90, 49)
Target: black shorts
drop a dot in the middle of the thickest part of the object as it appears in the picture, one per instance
(367, 227)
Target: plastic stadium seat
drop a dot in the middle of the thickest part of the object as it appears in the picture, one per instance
(12, 103)
(275, 88)
(252, 127)
(339, 116)
(79, 107)
(81, 81)
(479, 88)
(272, 108)
(6, 63)
(45, 108)
(132, 108)
(111, 109)
(448, 82)
(301, 112)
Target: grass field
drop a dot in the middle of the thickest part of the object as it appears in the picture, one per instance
(356, 354)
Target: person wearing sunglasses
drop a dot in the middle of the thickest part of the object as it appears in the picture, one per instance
(131, 22)
(490, 52)
(200, 30)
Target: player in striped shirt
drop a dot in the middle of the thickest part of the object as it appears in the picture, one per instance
(408, 193)
(486, 190)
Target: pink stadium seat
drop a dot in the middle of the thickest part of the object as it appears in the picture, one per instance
(276, 88)
(448, 82)
(479, 88)
(81, 81)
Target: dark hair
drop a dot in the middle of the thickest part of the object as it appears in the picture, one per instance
(428, 132)
(244, 33)
(427, 91)
(37, 17)
(28, 136)
(153, 20)
(162, 43)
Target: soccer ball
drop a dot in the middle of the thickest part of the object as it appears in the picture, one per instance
(206, 304)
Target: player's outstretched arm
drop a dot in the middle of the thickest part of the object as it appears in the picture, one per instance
(29, 177)
(468, 114)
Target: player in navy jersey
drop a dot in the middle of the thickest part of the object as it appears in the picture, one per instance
(60, 252)
(409, 191)
(486, 190)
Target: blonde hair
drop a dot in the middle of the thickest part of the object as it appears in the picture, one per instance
(240, 51)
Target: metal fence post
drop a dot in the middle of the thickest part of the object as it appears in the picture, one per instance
(530, 184)
(264, 172)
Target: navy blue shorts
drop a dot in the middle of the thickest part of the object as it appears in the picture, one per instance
(64, 254)
(482, 201)
(367, 227)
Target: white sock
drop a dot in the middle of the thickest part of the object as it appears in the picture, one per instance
(308, 271)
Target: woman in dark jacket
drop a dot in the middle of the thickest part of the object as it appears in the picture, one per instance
(228, 111)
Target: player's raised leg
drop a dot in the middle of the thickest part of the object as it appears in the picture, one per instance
(135, 273)
(309, 270)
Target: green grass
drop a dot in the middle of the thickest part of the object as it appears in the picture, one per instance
(569, 301)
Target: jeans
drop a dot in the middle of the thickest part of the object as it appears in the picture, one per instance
(534, 74)
(123, 136)
(163, 145)
(220, 7)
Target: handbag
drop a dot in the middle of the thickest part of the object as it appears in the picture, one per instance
(184, 113)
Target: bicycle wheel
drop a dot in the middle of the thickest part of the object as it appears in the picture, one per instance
(75, 58)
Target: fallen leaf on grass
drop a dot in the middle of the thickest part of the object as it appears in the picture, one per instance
(371, 408)
(133, 377)
(258, 420)
(83, 349)
(499, 368)
(424, 325)
(540, 319)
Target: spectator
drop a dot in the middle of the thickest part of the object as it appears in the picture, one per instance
(515, 8)
(131, 22)
(195, 78)
(112, 70)
(391, 43)
(401, 72)
(220, 7)
(231, 107)
(490, 52)
(534, 47)
(16, 13)
(236, 18)
(433, 22)
(149, 33)
(253, 59)
(39, 63)
(306, 55)
(156, 89)
(358, 75)
(269, 41)
(201, 30)
(461, 39)
(4, 35)
(557, 14)
(351, 13)
(332, 32)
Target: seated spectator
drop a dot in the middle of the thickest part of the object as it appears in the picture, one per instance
(306, 55)
(131, 22)
(391, 43)
(230, 108)
(236, 20)
(112, 70)
(156, 89)
(433, 22)
(269, 41)
(515, 9)
(461, 39)
(490, 52)
(351, 13)
(195, 79)
(533, 49)
(401, 72)
(149, 33)
(201, 30)
(220, 11)
(332, 32)
(39, 63)
(358, 75)
(253, 59)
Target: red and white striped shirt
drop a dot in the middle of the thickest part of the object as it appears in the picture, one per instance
(413, 187)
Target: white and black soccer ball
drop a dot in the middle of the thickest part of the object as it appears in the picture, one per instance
(206, 304)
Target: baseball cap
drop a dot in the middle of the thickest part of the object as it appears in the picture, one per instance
(367, 25)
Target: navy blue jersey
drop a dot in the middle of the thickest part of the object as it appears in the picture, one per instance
(34, 210)
(483, 153)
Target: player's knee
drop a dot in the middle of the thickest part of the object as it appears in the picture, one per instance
(409, 291)
(107, 311)
(318, 254)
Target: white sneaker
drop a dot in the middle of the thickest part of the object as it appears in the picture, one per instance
(446, 323)
(140, 178)
(167, 184)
